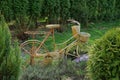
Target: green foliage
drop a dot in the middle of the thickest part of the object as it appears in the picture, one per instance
(20, 8)
(64, 10)
(4, 39)
(22, 21)
(56, 11)
(9, 55)
(34, 11)
(26, 14)
(117, 10)
(97, 10)
(51, 9)
(35, 7)
(80, 10)
(104, 57)
(6, 9)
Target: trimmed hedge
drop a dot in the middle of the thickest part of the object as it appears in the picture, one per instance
(104, 57)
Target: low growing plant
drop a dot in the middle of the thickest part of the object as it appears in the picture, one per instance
(58, 70)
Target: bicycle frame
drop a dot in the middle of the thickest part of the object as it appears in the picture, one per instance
(48, 34)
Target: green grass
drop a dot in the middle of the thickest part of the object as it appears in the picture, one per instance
(99, 29)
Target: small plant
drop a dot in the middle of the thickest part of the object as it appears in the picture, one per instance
(104, 57)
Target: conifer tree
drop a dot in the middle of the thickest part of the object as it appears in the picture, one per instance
(64, 10)
(51, 9)
(6, 9)
(34, 10)
(9, 55)
(20, 8)
(35, 7)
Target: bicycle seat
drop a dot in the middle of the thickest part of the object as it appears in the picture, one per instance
(52, 26)
(34, 33)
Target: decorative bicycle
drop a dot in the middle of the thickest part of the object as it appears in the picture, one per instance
(36, 48)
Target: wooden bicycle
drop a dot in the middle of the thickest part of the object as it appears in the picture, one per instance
(37, 49)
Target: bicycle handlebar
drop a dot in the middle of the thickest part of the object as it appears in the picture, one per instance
(73, 21)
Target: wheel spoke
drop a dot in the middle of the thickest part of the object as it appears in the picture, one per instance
(26, 50)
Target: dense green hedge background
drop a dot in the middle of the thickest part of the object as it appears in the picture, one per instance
(84, 11)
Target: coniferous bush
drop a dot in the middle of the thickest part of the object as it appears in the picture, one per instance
(34, 10)
(9, 55)
(20, 8)
(64, 10)
(79, 10)
(6, 9)
(51, 9)
(21, 17)
(104, 57)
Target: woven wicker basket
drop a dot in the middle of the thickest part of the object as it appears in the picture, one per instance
(84, 36)
(75, 30)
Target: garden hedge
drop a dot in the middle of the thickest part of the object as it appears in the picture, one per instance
(84, 11)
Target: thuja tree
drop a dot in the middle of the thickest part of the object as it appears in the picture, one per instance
(9, 55)
(20, 8)
(34, 10)
(106, 9)
(104, 57)
(6, 9)
(80, 10)
(93, 10)
(64, 10)
(51, 9)
(117, 10)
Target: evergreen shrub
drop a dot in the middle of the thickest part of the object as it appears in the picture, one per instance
(104, 57)
(51, 9)
(9, 55)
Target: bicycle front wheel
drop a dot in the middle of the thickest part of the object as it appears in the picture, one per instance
(29, 47)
